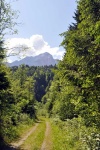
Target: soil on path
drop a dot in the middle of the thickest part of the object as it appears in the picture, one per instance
(21, 141)
(47, 144)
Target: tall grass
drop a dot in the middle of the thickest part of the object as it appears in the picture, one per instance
(73, 135)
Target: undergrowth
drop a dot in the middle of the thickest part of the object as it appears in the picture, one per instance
(74, 135)
(14, 132)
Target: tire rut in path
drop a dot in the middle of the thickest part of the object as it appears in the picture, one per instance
(47, 144)
(19, 143)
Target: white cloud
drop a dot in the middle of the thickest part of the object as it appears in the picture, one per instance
(30, 47)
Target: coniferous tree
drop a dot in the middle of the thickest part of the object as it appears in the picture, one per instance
(79, 71)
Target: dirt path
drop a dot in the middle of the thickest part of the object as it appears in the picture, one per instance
(19, 143)
(47, 144)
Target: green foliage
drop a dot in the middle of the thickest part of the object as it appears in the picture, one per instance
(7, 18)
(7, 23)
(2, 54)
(74, 135)
(42, 77)
(75, 88)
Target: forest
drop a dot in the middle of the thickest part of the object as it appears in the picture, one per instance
(68, 94)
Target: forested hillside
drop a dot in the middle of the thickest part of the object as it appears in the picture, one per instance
(68, 94)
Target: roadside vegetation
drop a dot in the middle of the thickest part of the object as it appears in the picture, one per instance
(73, 135)
(17, 132)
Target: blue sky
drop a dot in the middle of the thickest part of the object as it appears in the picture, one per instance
(47, 18)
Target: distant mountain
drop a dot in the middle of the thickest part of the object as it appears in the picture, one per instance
(39, 60)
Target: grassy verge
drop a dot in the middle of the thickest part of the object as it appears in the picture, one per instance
(58, 138)
(73, 135)
(35, 140)
(66, 135)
